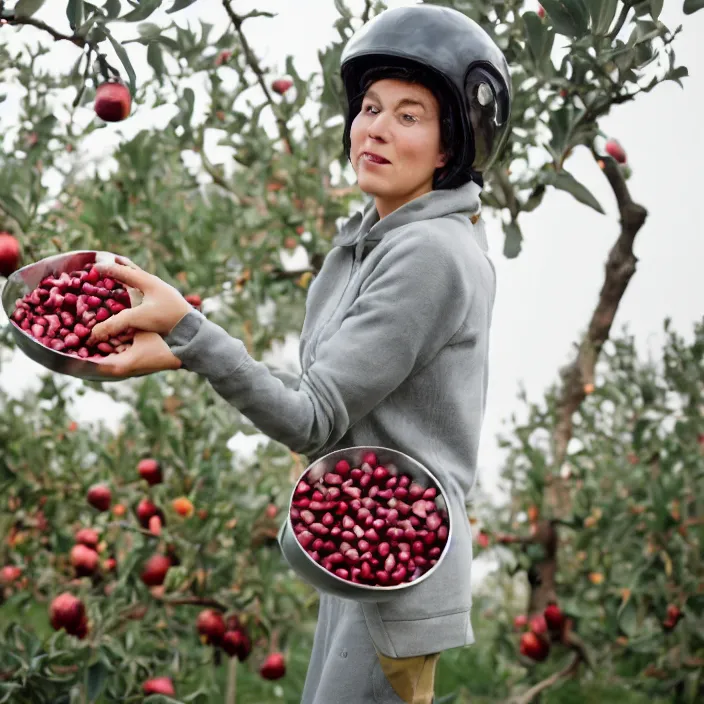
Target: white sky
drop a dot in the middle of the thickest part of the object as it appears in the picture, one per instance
(546, 295)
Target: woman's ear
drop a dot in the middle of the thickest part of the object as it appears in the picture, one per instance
(441, 161)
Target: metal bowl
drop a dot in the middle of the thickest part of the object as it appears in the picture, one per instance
(316, 575)
(27, 279)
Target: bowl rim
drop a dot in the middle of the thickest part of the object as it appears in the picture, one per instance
(16, 278)
(288, 525)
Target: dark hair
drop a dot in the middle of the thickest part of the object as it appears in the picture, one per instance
(450, 131)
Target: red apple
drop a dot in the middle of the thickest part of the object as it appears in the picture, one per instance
(541, 12)
(99, 496)
(673, 616)
(534, 647)
(554, 617)
(520, 622)
(237, 643)
(84, 560)
(9, 574)
(146, 510)
(9, 254)
(155, 569)
(113, 101)
(223, 57)
(538, 624)
(194, 299)
(211, 624)
(159, 685)
(274, 667)
(615, 150)
(281, 85)
(68, 612)
(150, 470)
(88, 536)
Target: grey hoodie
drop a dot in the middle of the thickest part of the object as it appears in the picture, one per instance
(393, 352)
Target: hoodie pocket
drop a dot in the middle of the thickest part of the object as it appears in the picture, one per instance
(434, 615)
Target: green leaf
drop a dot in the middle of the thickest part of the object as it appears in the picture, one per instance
(534, 199)
(179, 5)
(14, 208)
(112, 8)
(656, 8)
(512, 242)
(190, 98)
(540, 38)
(149, 30)
(74, 13)
(95, 680)
(26, 8)
(628, 618)
(569, 17)
(691, 6)
(343, 9)
(602, 13)
(84, 28)
(156, 59)
(122, 54)
(676, 73)
(6, 690)
(565, 181)
(145, 9)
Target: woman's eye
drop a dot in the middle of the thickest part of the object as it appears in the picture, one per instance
(409, 118)
(371, 109)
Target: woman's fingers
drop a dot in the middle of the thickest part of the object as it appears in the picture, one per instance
(113, 326)
(137, 278)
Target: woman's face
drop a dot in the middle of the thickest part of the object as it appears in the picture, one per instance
(395, 143)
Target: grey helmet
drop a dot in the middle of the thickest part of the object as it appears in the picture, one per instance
(460, 54)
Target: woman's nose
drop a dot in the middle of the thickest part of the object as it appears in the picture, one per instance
(379, 127)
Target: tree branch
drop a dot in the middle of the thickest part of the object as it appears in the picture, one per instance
(76, 39)
(237, 21)
(620, 267)
(58, 36)
(534, 691)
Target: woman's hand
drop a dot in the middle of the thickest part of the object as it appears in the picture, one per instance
(162, 307)
(147, 354)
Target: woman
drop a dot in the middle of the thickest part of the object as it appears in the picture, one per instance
(394, 346)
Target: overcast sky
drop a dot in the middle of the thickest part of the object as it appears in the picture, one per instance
(546, 295)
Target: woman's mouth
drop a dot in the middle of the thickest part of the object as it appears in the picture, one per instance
(374, 158)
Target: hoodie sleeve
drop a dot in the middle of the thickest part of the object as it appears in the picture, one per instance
(410, 306)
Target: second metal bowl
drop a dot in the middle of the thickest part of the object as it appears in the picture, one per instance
(320, 578)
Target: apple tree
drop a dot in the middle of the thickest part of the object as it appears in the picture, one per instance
(143, 561)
